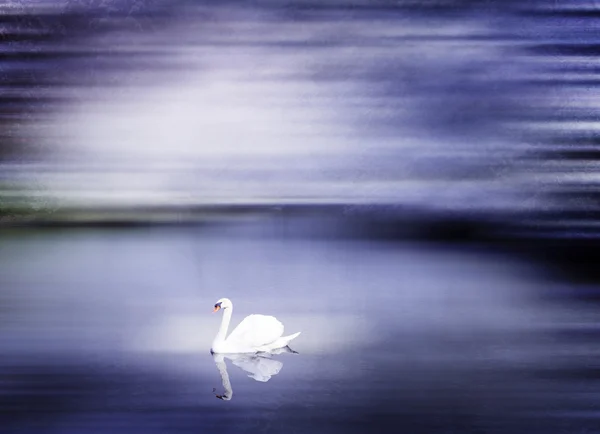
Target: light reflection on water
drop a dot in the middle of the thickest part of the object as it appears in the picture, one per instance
(112, 330)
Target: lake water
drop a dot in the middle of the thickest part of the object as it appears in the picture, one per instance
(109, 330)
(440, 106)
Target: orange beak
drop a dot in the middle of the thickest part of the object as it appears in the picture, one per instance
(217, 308)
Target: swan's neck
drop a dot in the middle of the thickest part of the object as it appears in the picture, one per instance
(224, 326)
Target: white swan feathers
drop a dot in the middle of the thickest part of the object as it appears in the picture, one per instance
(256, 333)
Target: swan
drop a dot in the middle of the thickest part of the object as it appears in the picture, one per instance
(256, 333)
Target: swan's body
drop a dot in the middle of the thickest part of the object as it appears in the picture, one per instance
(256, 333)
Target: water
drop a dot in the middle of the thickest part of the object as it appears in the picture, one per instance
(110, 330)
(443, 107)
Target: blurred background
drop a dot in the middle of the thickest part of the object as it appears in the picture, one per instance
(412, 184)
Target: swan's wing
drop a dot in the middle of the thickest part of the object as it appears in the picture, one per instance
(259, 368)
(255, 331)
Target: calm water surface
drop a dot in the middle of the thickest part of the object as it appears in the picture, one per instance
(110, 330)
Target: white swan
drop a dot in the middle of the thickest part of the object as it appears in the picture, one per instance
(256, 333)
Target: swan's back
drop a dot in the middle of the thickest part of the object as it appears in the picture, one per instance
(256, 331)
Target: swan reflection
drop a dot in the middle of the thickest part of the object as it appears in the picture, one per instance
(260, 367)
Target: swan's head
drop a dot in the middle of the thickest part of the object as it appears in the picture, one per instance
(223, 303)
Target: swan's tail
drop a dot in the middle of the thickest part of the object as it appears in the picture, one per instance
(287, 339)
(279, 343)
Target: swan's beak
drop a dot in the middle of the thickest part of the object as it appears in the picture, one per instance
(217, 307)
